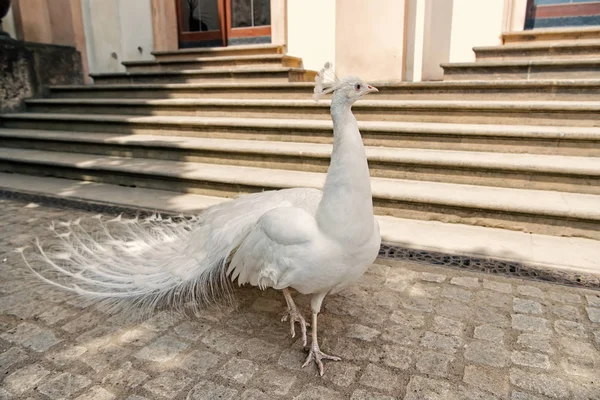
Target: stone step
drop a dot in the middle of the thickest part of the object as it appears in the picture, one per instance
(569, 113)
(563, 254)
(247, 74)
(535, 211)
(578, 89)
(552, 34)
(229, 51)
(551, 140)
(568, 50)
(532, 69)
(542, 172)
(270, 60)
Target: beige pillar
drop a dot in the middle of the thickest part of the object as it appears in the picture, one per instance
(164, 25)
(369, 40)
(53, 22)
(515, 12)
(279, 22)
(32, 20)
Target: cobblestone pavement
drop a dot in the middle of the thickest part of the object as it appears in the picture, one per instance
(407, 331)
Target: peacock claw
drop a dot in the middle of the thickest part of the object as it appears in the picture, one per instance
(316, 355)
(295, 316)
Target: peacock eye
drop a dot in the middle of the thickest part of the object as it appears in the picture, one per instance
(357, 86)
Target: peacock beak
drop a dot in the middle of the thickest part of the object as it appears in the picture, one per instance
(371, 89)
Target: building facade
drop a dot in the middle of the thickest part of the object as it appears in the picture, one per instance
(380, 40)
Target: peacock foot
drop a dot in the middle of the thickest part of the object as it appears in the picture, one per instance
(295, 316)
(316, 355)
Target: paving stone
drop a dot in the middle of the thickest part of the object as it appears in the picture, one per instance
(593, 314)
(421, 304)
(255, 394)
(96, 393)
(585, 369)
(468, 392)
(362, 332)
(497, 286)
(516, 395)
(137, 336)
(489, 379)
(530, 291)
(447, 326)
(490, 333)
(420, 388)
(408, 319)
(258, 349)
(525, 306)
(530, 324)
(162, 321)
(56, 314)
(397, 356)
(81, 323)
(238, 370)
(222, 341)
(456, 293)
(103, 358)
(268, 305)
(566, 312)
(199, 362)
(379, 378)
(543, 384)
(399, 280)
(311, 392)
(494, 299)
(31, 336)
(487, 353)
(342, 374)
(66, 356)
(125, 377)
(465, 281)
(445, 344)
(579, 348)
(528, 359)
(25, 378)
(593, 300)
(564, 297)
(162, 350)
(64, 385)
(170, 384)
(279, 383)
(429, 277)
(12, 356)
(432, 363)
(361, 394)
(207, 390)
(570, 328)
(401, 335)
(536, 342)
(191, 331)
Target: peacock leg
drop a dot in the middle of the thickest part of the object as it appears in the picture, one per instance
(294, 316)
(315, 354)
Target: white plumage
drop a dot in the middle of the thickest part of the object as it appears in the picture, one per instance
(316, 242)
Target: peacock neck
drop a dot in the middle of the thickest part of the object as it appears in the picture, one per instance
(346, 210)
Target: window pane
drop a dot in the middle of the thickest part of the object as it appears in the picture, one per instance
(241, 13)
(249, 13)
(262, 12)
(199, 15)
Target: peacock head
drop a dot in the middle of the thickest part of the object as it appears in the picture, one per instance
(350, 88)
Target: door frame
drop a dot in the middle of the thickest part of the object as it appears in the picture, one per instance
(264, 30)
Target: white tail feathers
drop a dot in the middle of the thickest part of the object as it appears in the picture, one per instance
(140, 263)
(325, 82)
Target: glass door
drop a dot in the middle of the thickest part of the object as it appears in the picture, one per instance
(201, 23)
(248, 19)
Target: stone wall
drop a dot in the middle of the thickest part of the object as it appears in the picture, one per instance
(25, 68)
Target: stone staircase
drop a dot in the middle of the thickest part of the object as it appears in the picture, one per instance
(488, 162)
